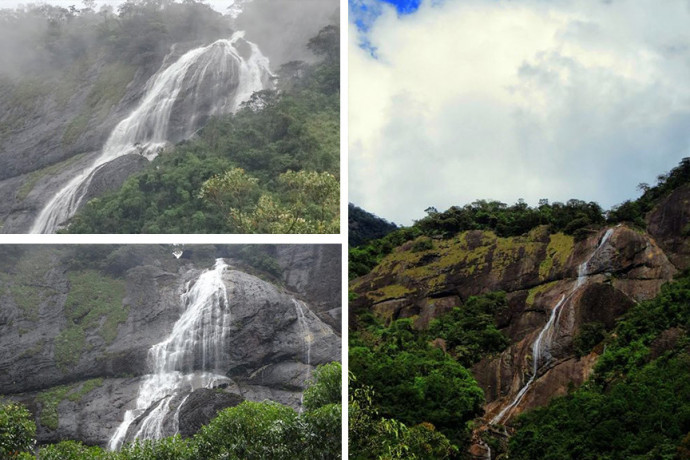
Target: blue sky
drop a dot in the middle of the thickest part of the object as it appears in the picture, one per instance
(457, 100)
(364, 12)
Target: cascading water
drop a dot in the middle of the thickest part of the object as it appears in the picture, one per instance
(307, 339)
(187, 360)
(541, 348)
(209, 80)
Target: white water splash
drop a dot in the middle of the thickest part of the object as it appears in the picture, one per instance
(211, 80)
(541, 348)
(307, 339)
(187, 360)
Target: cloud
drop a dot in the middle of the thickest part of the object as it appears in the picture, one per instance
(505, 100)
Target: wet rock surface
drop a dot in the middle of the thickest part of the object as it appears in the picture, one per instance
(111, 176)
(37, 154)
(270, 351)
(202, 406)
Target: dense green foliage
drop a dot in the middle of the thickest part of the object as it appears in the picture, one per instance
(17, 430)
(373, 437)
(637, 404)
(408, 381)
(362, 226)
(575, 217)
(327, 388)
(470, 331)
(251, 430)
(273, 167)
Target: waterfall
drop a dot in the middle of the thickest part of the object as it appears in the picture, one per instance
(307, 339)
(209, 80)
(188, 359)
(541, 347)
(487, 449)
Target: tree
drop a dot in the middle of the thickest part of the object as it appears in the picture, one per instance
(251, 431)
(17, 430)
(232, 190)
(309, 202)
(326, 387)
(70, 450)
(326, 43)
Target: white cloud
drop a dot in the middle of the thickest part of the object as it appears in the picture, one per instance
(506, 100)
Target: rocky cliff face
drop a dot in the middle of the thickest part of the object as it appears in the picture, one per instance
(76, 330)
(592, 281)
(52, 140)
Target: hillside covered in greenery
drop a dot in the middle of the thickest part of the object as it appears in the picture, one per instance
(637, 403)
(576, 217)
(73, 75)
(363, 226)
(271, 168)
(421, 348)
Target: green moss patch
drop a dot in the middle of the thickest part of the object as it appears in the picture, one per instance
(26, 283)
(51, 399)
(94, 302)
(429, 261)
(393, 291)
(69, 345)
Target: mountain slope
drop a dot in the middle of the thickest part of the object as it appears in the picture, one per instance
(110, 90)
(80, 326)
(564, 294)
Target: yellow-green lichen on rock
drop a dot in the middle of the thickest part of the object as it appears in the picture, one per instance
(535, 291)
(512, 250)
(557, 252)
(428, 266)
(393, 291)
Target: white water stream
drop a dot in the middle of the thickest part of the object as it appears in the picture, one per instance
(307, 338)
(541, 348)
(186, 360)
(217, 73)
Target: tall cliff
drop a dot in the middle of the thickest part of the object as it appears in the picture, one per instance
(87, 333)
(558, 289)
(87, 97)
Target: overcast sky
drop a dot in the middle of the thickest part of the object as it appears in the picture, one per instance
(452, 101)
(218, 5)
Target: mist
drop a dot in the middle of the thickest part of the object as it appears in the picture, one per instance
(282, 28)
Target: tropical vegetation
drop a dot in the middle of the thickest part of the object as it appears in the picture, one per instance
(251, 430)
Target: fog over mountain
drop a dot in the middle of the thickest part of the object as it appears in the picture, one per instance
(90, 92)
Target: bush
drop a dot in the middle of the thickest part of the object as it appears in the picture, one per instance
(589, 336)
(251, 431)
(326, 386)
(70, 450)
(17, 430)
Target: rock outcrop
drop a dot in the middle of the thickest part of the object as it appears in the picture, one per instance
(76, 329)
(424, 279)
